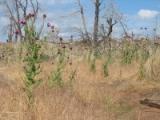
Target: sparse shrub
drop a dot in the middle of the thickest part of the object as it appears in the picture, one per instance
(128, 53)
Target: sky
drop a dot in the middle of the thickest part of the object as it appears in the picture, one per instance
(64, 15)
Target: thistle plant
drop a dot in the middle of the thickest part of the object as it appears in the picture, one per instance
(56, 76)
(32, 59)
(32, 68)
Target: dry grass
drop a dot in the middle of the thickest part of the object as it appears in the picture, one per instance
(152, 67)
(91, 96)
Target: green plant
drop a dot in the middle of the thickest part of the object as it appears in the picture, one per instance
(141, 71)
(144, 57)
(105, 69)
(97, 53)
(144, 54)
(93, 65)
(32, 60)
(128, 53)
(56, 77)
(32, 68)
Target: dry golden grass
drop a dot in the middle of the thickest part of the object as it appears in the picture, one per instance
(92, 97)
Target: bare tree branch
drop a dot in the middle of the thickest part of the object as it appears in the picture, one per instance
(83, 21)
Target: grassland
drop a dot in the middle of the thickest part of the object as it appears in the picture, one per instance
(86, 85)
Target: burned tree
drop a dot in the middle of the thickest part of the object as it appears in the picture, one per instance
(10, 30)
(97, 4)
(111, 24)
(112, 17)
(86, 38)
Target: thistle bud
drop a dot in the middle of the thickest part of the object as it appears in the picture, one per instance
(70, 48)
(70, 63)
(61, 39)
(44, 16)
(64, 47)
(48, 25)
(17, 32)
(32, 15)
